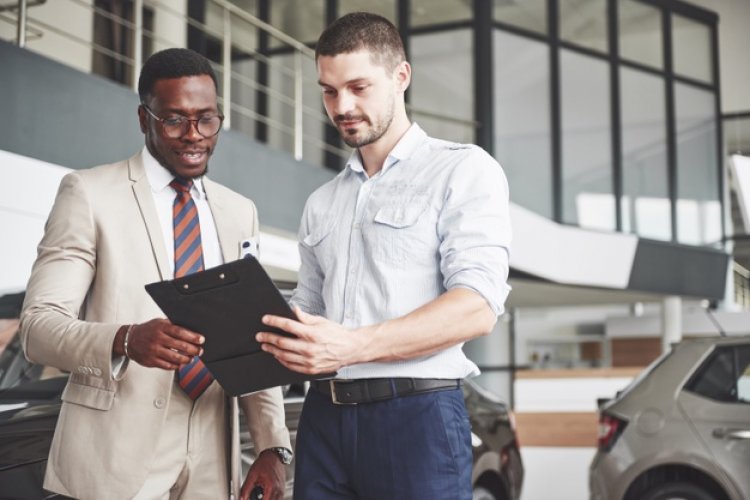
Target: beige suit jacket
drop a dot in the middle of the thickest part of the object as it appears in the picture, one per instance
(102, 244)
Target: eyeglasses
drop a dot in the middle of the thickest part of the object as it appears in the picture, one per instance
(177, 126)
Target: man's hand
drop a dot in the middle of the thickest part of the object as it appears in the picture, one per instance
(320, 346)
(159, 344)
(267, 472)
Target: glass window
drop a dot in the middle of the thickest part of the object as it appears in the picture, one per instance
(645, 204)
(737, 135)
(522, 119)
(529, 14)
(385, 8)
(588, 199)
(743, 382)
(691, 48)
(698, 205)
(303, 20)
(584, 22)
(641, 33)
(725, 376)
(443, 84)
(427, 12)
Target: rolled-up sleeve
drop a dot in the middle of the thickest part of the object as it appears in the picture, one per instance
(475, 231)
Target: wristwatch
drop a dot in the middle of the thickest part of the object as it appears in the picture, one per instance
(285, 455)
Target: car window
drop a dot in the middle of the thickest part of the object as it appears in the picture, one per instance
(743, 383)
(725, 376)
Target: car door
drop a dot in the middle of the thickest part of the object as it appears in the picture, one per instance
(716, 401)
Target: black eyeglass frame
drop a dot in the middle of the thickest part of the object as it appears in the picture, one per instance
(184, 119)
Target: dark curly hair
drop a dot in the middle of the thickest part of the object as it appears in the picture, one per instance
(172, 63)
(363, 30)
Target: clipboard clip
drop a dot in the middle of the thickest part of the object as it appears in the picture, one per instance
(207, 280)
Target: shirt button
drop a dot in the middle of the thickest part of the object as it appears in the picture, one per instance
(357, 226)
(159, 402)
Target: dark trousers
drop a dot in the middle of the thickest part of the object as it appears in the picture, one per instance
(408, 448)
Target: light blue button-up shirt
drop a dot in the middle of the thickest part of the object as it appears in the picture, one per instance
(375, 248)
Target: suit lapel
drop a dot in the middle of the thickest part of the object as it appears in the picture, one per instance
(145, 200)
(226, 229)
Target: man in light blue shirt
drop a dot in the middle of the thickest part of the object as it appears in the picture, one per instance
(404, 258)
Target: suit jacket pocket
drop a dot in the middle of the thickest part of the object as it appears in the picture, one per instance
(89, 396)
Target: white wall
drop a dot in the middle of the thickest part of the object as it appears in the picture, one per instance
(26, 196)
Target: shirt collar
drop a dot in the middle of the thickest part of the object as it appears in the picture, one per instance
(159, 177)
(403, 149)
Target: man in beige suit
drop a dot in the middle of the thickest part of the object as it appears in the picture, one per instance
(127, 429)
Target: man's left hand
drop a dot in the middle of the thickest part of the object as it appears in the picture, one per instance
(267, 472)
(320, 346)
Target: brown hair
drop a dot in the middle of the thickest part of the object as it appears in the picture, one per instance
(363, 30)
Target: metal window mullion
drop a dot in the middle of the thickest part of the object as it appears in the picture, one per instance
(555, 111)
(724, 195)
(615, 104)
(483, 80)
(671, 119)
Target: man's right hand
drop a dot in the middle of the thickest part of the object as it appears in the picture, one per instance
(159, 344)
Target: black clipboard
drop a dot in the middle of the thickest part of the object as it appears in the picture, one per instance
(225, 304)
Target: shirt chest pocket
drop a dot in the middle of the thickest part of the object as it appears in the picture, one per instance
(400, 234)
(320, 242)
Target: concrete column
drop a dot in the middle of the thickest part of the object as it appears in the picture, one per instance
(671, 321)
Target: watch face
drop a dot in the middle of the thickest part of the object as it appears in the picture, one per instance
(284, 454)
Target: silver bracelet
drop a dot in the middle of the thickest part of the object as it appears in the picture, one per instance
(127, 337)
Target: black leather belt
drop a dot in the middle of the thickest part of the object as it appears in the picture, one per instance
(369, 390)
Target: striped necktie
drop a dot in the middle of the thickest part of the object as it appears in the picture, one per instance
(193, 377)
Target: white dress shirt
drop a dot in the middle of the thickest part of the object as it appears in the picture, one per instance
(436, 217)
(164, 196)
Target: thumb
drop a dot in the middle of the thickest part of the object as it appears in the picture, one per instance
(303, 317)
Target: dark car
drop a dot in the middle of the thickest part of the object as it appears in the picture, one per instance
(30, 404)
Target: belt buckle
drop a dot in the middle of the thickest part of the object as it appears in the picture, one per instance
(334, 399)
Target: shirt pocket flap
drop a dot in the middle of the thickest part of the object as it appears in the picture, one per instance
(88, 396)
(400, 216)
(315, 237)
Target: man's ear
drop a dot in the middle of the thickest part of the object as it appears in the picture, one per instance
(142, 119)
(402, 75)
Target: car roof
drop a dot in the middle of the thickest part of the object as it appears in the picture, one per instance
(661, 382)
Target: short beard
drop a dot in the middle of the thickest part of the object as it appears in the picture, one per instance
(377, 131)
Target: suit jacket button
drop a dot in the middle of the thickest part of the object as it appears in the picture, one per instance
(159, 402)
(97, 372)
